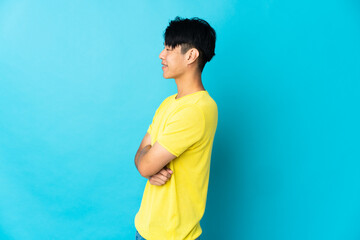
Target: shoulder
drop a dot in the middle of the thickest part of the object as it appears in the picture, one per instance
(189, 112)
(190, 108)
(207, 104)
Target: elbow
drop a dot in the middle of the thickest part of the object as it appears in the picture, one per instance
(145, 175)
(144, 172)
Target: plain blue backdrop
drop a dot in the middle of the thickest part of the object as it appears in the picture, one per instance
(81, 80)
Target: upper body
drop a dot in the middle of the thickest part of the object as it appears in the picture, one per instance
(175, 153)
(185, 127)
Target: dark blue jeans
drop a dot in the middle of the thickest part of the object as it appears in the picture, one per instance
(139, 237)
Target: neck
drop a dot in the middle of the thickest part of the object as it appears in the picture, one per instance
(188, 84)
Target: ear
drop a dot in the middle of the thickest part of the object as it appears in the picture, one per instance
(191, 55)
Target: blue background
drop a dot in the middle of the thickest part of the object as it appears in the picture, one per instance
(81, 80)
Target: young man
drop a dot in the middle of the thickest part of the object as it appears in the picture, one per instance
(176, 150)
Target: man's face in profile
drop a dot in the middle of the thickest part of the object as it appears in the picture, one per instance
(173, 61)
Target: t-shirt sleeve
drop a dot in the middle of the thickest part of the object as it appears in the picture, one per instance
(149, 129)
(150, 126)
(184, 128)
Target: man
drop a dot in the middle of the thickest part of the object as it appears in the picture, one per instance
(176, 150)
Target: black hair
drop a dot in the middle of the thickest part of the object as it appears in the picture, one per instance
(192, 33)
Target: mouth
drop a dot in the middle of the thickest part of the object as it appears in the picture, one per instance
(164, 66)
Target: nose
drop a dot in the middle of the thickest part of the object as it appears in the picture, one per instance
(161, 55)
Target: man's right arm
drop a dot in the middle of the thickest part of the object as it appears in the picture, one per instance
(164, 174)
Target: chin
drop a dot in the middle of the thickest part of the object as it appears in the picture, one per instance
(167, 77)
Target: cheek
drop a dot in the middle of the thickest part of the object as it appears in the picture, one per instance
(175, 62)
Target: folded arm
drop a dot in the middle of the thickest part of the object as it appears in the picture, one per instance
(149, 160)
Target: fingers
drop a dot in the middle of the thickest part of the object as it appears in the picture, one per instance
(156, 180)
(168, 170)
(161, 177)
(165, 172)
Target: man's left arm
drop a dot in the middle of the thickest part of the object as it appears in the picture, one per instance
(152, 159)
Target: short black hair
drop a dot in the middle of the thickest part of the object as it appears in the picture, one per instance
(192, 33)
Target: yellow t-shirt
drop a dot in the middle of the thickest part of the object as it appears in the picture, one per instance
(186, 128)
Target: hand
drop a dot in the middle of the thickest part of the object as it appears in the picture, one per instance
(161, 177)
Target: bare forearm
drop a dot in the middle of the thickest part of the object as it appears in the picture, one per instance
(140, 154)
